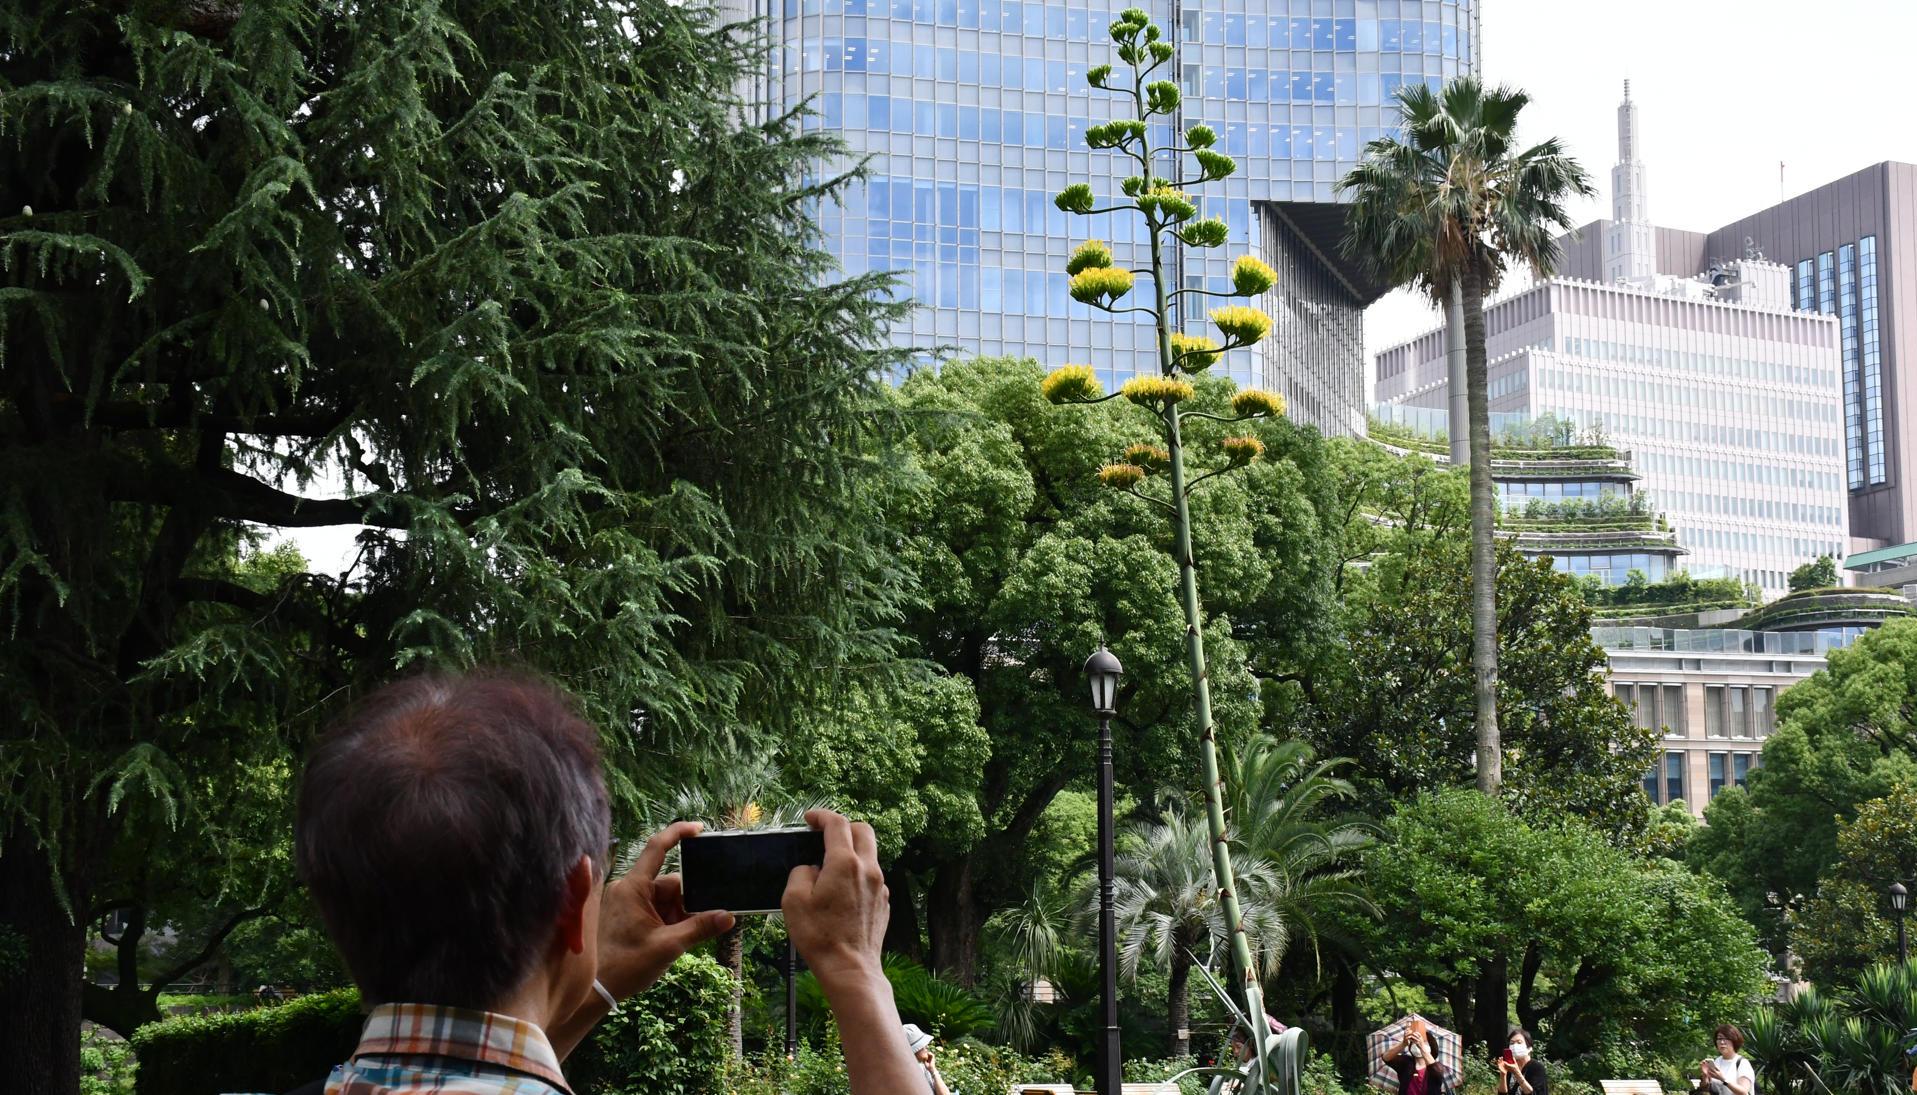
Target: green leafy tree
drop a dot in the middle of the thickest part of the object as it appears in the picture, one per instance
(1818, 574)
(1844, 736)
(514, 291)
(1848, 925)
(1393, 691)
(1444, 209)
(1171, 218)
(1601, 949)
(1023, 563)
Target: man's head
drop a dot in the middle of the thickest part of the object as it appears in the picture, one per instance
(453, 832)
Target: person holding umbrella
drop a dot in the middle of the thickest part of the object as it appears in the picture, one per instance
(1415, 1060)
(1519, 1073)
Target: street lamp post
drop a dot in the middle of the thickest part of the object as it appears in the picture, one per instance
(1899, 901)
(1103, 670)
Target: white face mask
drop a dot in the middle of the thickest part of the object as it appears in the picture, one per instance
(1520, 1051)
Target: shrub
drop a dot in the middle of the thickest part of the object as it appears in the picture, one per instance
(265, 1049)
(106, 1064)
(1150, 1071)
(669, 1041)
(1321, 1077)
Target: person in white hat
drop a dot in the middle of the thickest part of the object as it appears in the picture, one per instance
(921, 1045)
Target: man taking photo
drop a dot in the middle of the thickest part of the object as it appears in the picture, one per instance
(455, 833)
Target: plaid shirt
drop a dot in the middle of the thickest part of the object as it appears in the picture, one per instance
(448, 1051)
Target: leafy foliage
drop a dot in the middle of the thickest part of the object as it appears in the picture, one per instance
(1850, 1041)
(1820, 573)
(1849, 926)
(515, 292)
(1603, 948)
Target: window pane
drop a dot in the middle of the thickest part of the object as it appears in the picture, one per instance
(1673, 777)
(1672, 709)
(1739, 713)
(1717, 773)
(1714, 711)
(1762, 717)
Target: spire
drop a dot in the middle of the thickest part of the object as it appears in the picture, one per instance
(1632, 251)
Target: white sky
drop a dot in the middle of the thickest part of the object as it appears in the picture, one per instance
(1725, 90)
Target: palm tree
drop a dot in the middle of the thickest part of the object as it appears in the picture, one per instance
(1294, 870)
(1169, 911)
(741, 795)
(1449, 205)
(1280, 794)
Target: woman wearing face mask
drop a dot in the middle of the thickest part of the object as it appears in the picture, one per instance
(1415, 1059)
(1519, 1073)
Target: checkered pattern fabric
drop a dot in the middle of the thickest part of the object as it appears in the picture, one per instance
(418, 1048)
(1448, 1047)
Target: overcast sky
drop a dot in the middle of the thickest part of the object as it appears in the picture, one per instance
(1726, 89)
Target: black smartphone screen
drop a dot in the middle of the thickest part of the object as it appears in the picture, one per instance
(745, 871)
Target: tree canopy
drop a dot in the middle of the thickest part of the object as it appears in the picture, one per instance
(518, 293)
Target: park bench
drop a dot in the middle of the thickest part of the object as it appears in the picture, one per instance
(1631, 1087)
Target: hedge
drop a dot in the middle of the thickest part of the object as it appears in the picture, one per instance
(671, 1040)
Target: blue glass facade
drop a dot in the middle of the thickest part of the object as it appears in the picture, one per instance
(973, 112)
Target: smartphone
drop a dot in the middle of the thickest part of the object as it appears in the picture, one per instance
(745, 870)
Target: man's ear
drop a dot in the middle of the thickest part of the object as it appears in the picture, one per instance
(572, 910)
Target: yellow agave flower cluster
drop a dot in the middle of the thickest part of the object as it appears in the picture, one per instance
(1071, 384)
(1243, 325)
(1251, 276)
(1148, 456)
(1121, 476)
(1150, 390)
(1256, 403)
(1242, 450)
(1100, 284)
(1194, 353)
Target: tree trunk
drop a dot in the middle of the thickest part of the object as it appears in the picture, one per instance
(1484, 552)
(952, 919)
(1492, 1022)
(40, 1040)
(732, 957)
(1178, 1003)
(902, 929)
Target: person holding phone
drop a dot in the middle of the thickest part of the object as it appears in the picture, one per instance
(1519, 1072)
(1415, 1059)
(1729, 1073)
(920, 1043)
(454, 832)
(1241, 1052)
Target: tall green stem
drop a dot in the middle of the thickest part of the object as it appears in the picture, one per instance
(1241, 968)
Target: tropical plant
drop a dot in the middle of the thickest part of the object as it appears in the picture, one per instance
(742, 794)
(1849, 1042)
(1170, 913)
(1444, 209)
(1157, 194)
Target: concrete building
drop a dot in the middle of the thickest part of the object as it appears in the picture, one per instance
(973, 113)
(1851, 249)
(1715, 694)
(1727, 398)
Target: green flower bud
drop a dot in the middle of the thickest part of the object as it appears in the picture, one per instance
(1135, 16)
(1161, 51)
(1162, 96)
(1098, 74)
(1132, 186)
(1152, 33)
(1210, 232)
(1201, 136)
(1076, 198)
(1216, 165)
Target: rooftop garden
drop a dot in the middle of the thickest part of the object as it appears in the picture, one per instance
(1546, 438)
(1679, 594)
(1614, 512)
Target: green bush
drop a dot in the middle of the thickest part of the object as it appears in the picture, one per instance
(669, 1041)
(265, 1049)
(106, 1064)
(1149, 1071)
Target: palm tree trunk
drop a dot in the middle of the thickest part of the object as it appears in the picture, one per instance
(1484, 551)
(732, 956)
(1178, 1003)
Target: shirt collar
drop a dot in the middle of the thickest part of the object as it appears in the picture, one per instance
(399, 1030)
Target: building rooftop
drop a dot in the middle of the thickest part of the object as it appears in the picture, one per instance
(1726, 640)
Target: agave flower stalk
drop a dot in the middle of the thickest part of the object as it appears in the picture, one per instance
(1171, 214)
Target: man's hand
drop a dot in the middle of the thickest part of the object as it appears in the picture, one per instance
(836, 913)
(643, 923)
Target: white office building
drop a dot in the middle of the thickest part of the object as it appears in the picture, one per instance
(1728, 400)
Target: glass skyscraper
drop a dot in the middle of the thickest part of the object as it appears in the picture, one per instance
(974, 111)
